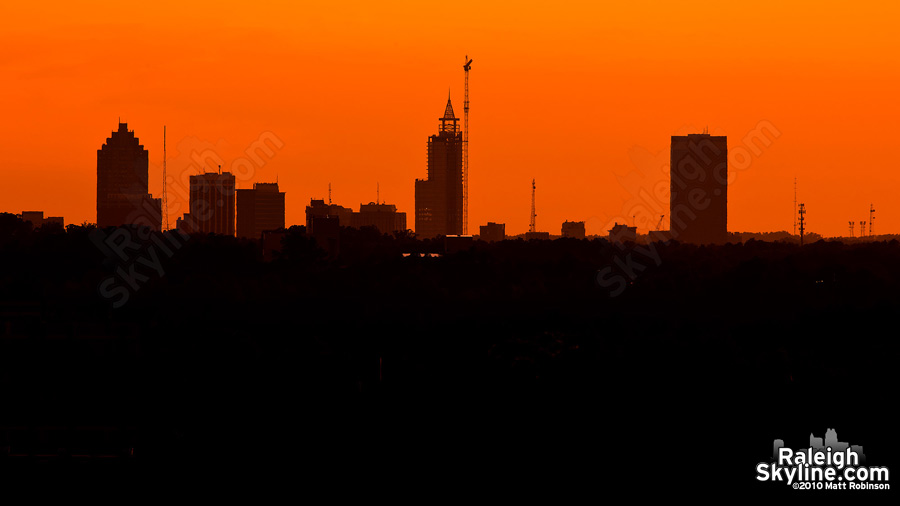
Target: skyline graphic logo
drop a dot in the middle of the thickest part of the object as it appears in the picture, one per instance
(825, 464)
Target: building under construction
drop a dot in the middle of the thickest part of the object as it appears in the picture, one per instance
(439, 198)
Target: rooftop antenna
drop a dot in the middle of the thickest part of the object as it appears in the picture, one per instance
(465, 178)
(802, 221)
(165, 179)
(329, 194)
(532, 226)
(377, 193)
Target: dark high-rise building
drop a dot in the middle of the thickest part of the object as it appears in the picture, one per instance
(622, 233)
(574, 229)
(319, 209)
(259, 210)
(122, 172)
(37, 219)
(492, 232)
(384, 217)
(698, 209)
(439, 198)
(212, 205)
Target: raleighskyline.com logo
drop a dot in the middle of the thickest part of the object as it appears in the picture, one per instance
(824, 465)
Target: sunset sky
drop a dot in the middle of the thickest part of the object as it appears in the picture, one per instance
(581, 96)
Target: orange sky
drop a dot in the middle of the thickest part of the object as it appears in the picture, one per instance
(581, 96)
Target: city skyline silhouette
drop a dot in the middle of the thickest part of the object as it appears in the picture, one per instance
(600, 105)
(610, 250)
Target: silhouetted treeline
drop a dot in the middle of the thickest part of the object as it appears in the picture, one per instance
(511, 355)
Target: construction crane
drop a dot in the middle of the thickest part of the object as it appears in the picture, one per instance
(466, 68)
(659, 223)
(531, 227)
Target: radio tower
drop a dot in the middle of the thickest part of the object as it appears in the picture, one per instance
(851, 229)
(329, 194)
(466, 68)
(165, 183)
(872, 220)
(862, 229)
(802, 214)
(531, 227)
(795, 206)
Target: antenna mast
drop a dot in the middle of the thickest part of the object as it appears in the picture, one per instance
(872, 220)
(802, 221)
(531, 227)
(329, 194)
(795, 206)
(851, 229)
(165, 194)
(465, 177)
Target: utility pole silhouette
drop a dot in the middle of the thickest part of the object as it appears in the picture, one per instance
(802, 221)
(862, 229)
(851, 229)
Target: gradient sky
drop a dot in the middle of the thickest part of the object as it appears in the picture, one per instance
(581, 96)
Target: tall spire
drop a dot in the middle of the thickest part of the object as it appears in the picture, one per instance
(450, 118)
(448, 112)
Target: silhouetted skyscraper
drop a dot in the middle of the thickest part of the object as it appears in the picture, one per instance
(122, 172)
(212, 204)
(573, 229)
(439, 198)
(698, 209)
(493, 232)
(384, 217)
(259, 209)
(319, 209)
